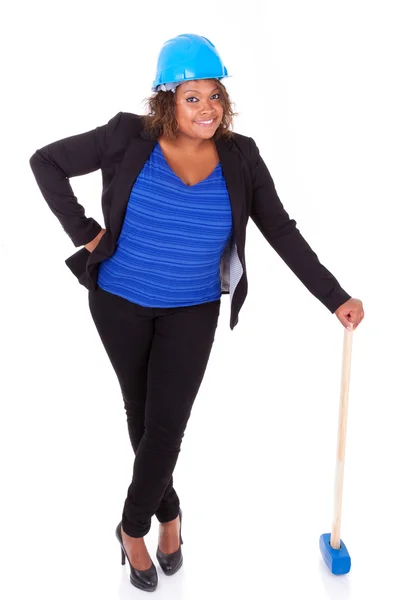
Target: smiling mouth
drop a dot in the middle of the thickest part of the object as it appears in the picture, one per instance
(206, 123)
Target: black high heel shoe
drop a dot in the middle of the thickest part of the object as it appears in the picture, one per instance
(170, 563)
(146, 580)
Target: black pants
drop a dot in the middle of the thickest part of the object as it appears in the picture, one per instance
(159, 356)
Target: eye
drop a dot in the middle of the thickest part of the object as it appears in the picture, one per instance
(194, 97)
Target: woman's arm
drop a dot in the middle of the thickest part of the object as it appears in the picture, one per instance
(281, 232)
(55, 163)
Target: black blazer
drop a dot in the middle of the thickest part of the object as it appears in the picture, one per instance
(120, 149)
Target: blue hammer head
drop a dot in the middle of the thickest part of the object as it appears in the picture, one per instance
(338, 561)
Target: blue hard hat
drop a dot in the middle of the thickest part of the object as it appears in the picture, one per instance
(188, 56)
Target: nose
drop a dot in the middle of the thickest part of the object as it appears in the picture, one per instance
(206, 107)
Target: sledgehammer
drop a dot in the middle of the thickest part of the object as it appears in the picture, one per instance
(333, 550)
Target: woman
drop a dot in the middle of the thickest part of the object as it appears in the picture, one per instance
(178, 189)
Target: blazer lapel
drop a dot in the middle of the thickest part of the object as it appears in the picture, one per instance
(231, 163)
(138, 152)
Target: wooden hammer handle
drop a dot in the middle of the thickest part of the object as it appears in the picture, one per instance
(341, 445)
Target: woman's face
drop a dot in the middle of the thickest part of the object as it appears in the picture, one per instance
(197, 103)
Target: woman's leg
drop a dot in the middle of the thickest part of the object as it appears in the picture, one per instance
(179, 354)
(127, 330)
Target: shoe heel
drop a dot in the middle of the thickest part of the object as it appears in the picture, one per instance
(180, 525)
(122, 557)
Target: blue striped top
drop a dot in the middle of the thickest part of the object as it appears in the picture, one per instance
(171, 242)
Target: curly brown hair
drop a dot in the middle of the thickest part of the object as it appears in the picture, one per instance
(160, 118)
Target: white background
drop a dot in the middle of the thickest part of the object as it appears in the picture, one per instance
(316, 84)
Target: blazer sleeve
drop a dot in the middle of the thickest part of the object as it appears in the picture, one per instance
(282, 233)
(55, 163)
